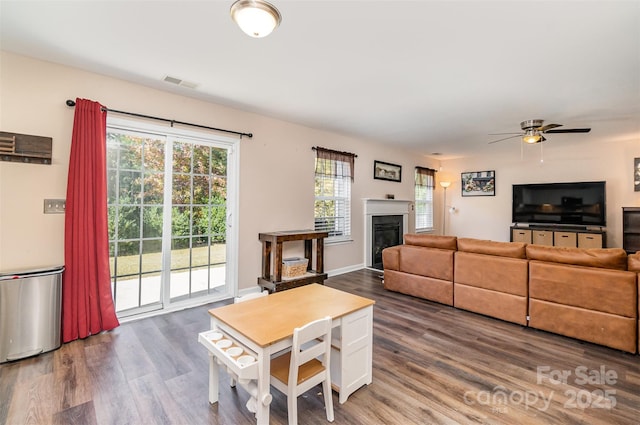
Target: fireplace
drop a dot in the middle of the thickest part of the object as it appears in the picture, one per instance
(386, 231)
(386, 221)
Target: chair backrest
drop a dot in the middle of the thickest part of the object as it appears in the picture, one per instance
(250, 296)
(310, 341)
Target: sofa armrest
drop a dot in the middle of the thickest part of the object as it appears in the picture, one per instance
(633, 262)
(391, 258)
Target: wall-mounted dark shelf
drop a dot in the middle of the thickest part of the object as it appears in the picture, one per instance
(631, 229)
(25, 148)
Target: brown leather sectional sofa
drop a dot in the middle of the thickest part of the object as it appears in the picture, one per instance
(588, 294)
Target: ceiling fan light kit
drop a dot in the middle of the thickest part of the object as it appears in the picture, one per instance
(531, 136)
(533, 131)
(256, 18)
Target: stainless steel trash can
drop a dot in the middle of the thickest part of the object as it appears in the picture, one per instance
(30, 312)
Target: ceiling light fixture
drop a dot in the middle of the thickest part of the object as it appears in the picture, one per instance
(531, 136)
(256, 18)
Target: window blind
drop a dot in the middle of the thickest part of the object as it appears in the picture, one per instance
(424, 183)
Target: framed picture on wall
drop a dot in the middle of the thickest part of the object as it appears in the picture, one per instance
(386, 171)
(479, 183)
(636, 174)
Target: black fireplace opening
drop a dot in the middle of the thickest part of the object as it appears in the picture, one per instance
(386, 231)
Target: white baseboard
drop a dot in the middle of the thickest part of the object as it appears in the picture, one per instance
(246, 291)
(335, 272)
(347, 269)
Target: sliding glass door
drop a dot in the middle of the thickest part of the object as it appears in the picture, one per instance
(171, 197)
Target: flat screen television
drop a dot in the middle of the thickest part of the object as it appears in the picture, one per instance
(579, 204)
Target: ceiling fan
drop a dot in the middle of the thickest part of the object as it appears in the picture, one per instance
(533, 130)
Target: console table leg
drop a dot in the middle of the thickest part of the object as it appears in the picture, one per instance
(266, 260)
(277, 266)
(320, 256)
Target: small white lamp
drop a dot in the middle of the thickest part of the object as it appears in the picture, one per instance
(444, 185)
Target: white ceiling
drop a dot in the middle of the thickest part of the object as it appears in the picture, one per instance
(433, 76)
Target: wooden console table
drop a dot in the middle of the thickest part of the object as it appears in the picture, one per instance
(272, 249)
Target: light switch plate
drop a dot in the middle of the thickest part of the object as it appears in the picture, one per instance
(54, 206)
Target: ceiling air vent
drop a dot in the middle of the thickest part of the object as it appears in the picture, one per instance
(180, 82)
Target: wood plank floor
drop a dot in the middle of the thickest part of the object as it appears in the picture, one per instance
(433, 364)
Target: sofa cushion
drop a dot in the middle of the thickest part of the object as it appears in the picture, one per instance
(431, 241)
(429, 262)
(589, 325)
(423, 287)
(501, 249)
(512, 308)
(606, 258)
(501, 274)
(609, 291)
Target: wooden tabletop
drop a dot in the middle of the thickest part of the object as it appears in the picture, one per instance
(292, 235)
(269, 319)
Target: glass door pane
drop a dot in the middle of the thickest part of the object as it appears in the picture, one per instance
(135, 173)
(198, 219)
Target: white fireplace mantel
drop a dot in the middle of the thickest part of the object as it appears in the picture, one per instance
(378, 207)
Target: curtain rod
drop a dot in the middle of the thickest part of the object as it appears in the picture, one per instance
(315, 148)
(72, 103)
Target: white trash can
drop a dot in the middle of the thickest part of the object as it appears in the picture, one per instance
(30, 312)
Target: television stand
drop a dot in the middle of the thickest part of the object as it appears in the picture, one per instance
(552, 235)
(568, 228)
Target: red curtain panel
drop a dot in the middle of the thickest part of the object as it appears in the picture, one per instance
(87, 303)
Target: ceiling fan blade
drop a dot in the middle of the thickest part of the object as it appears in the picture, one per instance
(570, 130)
(506, 138)
(544, 128)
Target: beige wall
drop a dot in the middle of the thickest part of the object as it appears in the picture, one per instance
(276, 169)
(573, 158)
(276, 165)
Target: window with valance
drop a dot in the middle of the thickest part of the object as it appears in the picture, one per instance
(424, 184)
